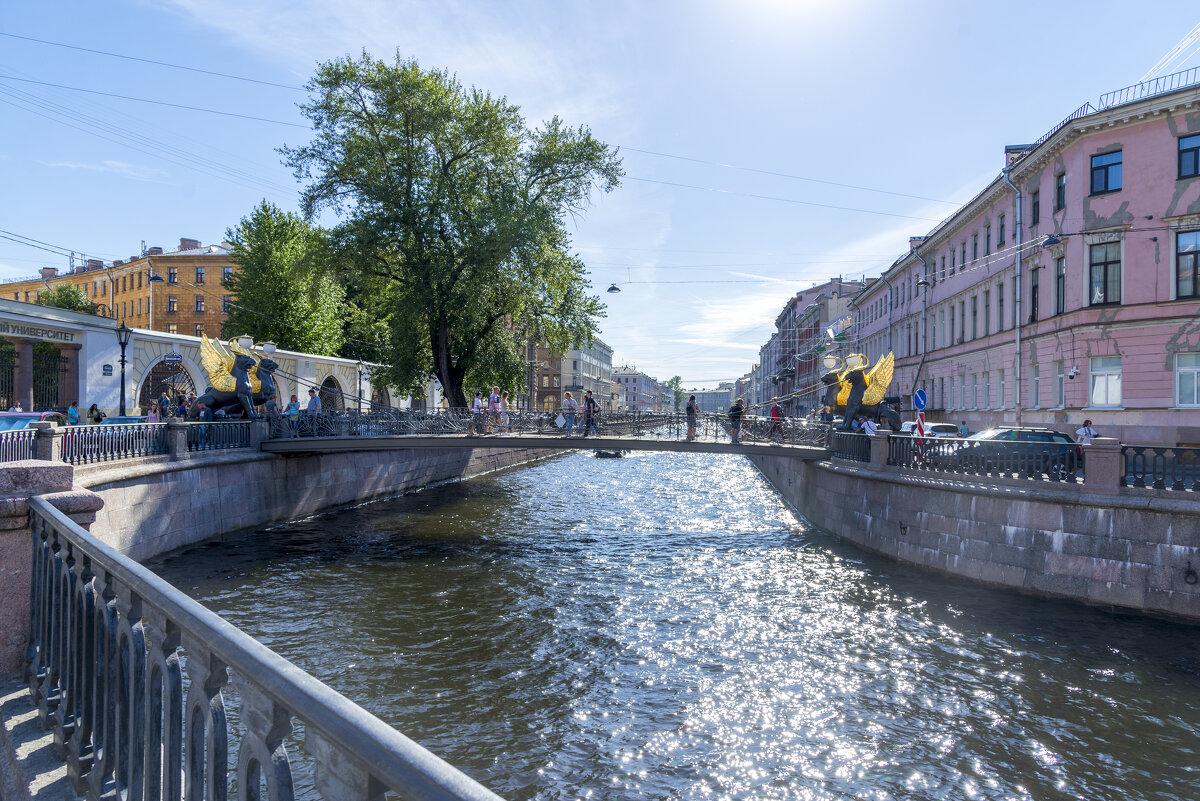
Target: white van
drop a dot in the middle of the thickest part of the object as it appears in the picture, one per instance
(931, 429)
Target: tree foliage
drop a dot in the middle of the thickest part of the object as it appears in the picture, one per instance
(67, 296)
(675, 383)
(286, 286)
(453, 215)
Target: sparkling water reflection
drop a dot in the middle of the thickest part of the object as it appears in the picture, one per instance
(663, 626)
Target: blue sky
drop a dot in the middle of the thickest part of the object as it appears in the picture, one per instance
(758, 110)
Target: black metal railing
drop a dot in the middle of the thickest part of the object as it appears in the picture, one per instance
(461, 422)
(18, 445)
(104, 443)
(855, 447)
(134, 678)
(218, 436)
(1150, 88)
(1038, 461)
(1158, 467)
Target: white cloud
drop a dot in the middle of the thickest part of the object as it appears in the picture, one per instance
(135, 171)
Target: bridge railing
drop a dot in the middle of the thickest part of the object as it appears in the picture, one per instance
(853, 446)
(18, 445)
(1158, 467)
(133, 676)
(457, 421)
(217, 436)
(104, 443)
(1035, 461)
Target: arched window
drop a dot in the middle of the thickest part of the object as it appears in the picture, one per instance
(332, 399)
(168, 377)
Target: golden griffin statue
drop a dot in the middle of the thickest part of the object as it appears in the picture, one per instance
(854, 390)
(238, 379)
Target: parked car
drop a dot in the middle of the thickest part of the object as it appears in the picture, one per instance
(931, 429)
(1021, 450)
(118, 420)
(11, 421)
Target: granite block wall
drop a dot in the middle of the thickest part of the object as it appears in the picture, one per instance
(154, 505)
(1129, 551)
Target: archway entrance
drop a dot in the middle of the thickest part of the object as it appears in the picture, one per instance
(331, 396)
(168, 377)
(380, 400)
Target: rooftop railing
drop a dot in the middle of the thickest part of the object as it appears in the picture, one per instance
(1150, 88)
(132, 676)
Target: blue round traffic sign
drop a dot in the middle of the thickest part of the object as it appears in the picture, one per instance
(919, 399)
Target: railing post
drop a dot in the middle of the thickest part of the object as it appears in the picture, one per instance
(49, 441)
(879, 449)
(18, 482)
(260, 432)
(1102, 465)
(177, 440)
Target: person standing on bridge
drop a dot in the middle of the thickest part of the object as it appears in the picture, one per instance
(776, 421)
(691, 418)
(588, 419)
(504, 418)
(568, 412)
(494, 410)
(735, 421)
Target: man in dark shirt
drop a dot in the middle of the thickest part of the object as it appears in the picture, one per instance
(735, 421)
(589, 414)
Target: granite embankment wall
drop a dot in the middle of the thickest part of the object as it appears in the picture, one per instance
(1129, 551)
(155, 505)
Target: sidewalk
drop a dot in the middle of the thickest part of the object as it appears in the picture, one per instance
(30, 769)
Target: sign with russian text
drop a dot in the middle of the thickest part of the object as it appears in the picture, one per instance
(8, 329)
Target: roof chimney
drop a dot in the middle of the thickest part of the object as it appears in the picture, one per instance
(49, 272)
(915, 241)
(95, 264)
(188, 244)
(1013, 153)
(154, 251)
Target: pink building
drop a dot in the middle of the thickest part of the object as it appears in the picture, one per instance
(1067, 289)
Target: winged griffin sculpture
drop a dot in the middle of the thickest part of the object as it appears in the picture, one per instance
(238, 379)
(853, 389)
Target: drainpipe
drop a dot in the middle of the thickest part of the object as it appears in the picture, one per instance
(1018, 230)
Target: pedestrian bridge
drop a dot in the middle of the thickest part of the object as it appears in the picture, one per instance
(334, 444)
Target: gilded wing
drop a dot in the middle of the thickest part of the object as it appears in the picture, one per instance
(255, 382)
(217, 362)
(878, 380)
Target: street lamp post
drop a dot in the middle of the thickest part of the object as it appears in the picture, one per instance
(359, 392)
(123, 333)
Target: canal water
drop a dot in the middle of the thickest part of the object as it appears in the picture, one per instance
(664, 626)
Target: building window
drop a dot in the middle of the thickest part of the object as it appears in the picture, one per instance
(172, 328)
(139, 275)
(124, 283)
(964, 254)
(1105, 271)
(225, 301)
(950, 332)
(1060, 386)
(226, 274)
(1033, 294)
(545, 381)
(1000, 233)
(1187, 379)
(1060, 191)
(199, 329)
(987, 241)
(200, 304)
(556, 381)
(199, 275)
(999, 307)
(1060, 285)
(1000, 395)
(1104, 375)
(139, 307)
(987, 312)
(172, 275)
(1187, 260)
(962, 320)
(172, 304)
(1035, 212)
(1189, 156)
(987, 390)
(952, 261)
(1035, 388)
(1106, 172)
(974, 247)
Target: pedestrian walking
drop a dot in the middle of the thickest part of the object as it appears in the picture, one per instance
(152, 414)
(963, 431)
(73, 414)
(1086, 433)
(504, 417)
(477, 413)
(692, 411)
(735, 420)
(494, 410)
(292, 412)
(569, 407)
(314, 410)
(94, 415)
(776, 421)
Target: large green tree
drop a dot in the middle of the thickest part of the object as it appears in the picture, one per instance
(67, 296)
(453, 213)
(286, 284)
(675, 384)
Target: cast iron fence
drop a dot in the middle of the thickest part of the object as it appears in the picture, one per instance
(1160, 467)
(132, 675)
(104, 443)
(1037, 461)
(18, 445)
(855, 447)
(218, 436)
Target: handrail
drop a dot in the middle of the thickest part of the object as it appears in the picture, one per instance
(140, 616)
